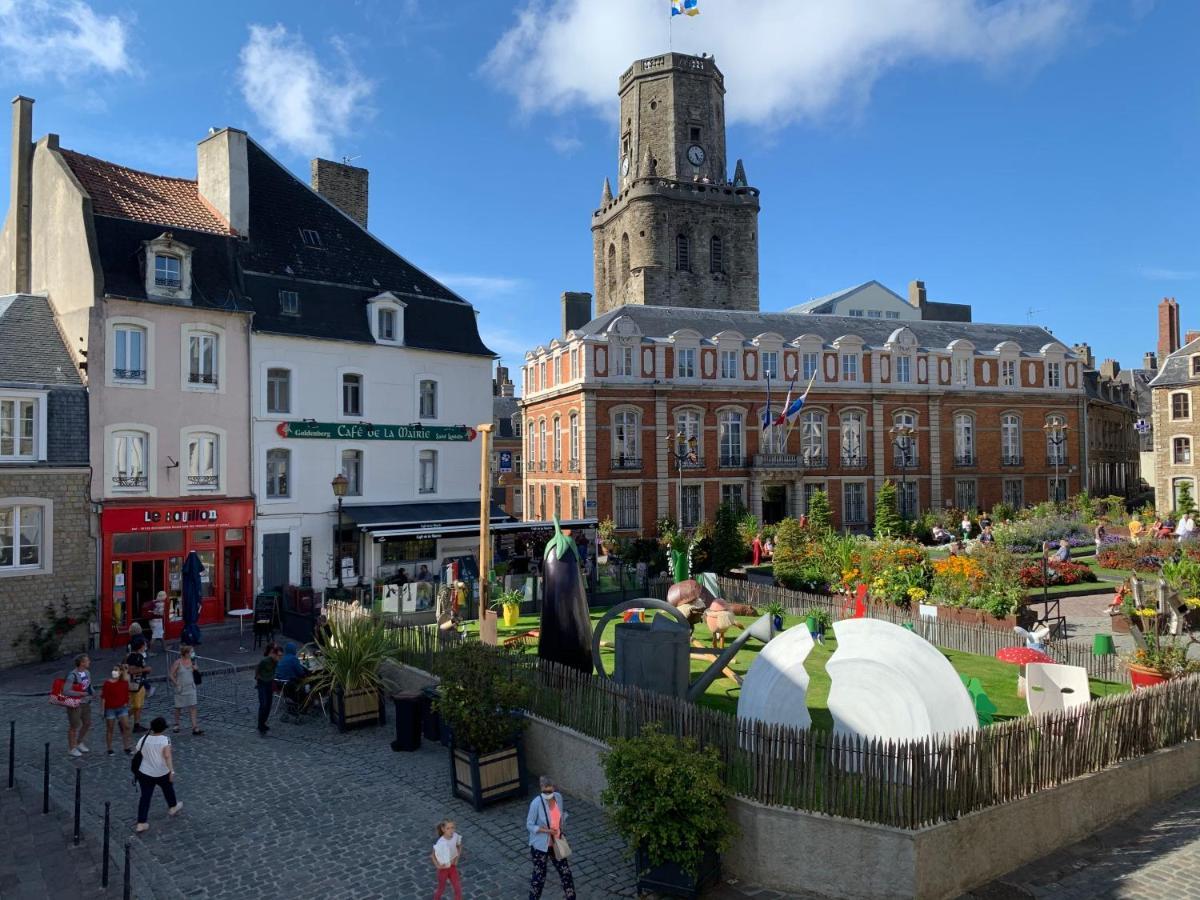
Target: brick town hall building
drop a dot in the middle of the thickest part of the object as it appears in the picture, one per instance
(958, 414)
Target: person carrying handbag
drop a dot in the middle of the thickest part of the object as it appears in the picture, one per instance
(546, 841)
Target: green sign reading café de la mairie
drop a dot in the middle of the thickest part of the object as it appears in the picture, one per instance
(368, 432)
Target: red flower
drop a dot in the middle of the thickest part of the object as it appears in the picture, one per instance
(72, 622)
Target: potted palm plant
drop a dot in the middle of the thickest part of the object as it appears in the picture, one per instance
(666, 798)
(352, 649)
(508, 604)
(481, 699)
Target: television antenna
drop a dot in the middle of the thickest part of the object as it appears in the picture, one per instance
(1030, 312)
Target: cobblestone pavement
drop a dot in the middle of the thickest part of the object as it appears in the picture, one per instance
(303, 813)
(1154, 855)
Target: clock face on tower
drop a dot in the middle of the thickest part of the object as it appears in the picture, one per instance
(625, 165)
(695, 155)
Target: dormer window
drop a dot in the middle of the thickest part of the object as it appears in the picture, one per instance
(310, 237)
(1196, 366)
(387, 325)
(289, 303)
(167, 266)
(168, 271)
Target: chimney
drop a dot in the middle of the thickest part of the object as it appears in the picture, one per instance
(21, 199)
(223, 177)
(1150, 361)
(1190, 336)
(576, 310)
(1084, 352)
(342, 185)
(1109, 369)
(1168, 327)
(916, 295)
(504, 385)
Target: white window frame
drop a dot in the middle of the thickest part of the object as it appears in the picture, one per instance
(847, 517)
(289, 475)
(292, 305)
(959, 485)
(45, 564)
(688, 421)
(627, 434)
(266, 400)
(165, 246)
(623, 360)
(1011, 439)
(1008, 373)
(556, 441)
(1175, 461)
(1053, 374)
(41, 403)
(1062, 449)
(573, 438)
(685, 362)
(691, 495)
(342, 450)
(202, 330)
(423, 380)
(807, 372)
(220, 448)
(110, 352)
(730, 364)
(849, 367)
(343, 414)
(1187, 395)
(150, 436)
(427, 487)
(814, 441)
(905, 418)
(770, 361)
(904, 367)
(731, 453)
(852, 423)
(965, 452)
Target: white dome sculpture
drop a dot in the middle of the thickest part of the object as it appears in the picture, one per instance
(890, 683)
(775, 689)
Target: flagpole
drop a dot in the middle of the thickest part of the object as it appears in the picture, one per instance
(792, 423)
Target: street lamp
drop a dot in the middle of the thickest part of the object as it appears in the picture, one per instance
(682, 448)
(340, 484)
(902, 440)
(1056, 437)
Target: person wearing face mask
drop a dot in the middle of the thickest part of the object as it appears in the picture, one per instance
(546, 843)
(114, 695)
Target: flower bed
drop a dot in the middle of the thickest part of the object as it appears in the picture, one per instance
(1056, 573)
(1147, 556)
(1028, 535)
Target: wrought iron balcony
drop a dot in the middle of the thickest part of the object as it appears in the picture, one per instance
(573, 465)
(965, 460)
(130, 481)
(627, 463)
(1056, 459)
(203, 480)
(540, 465)
(556, 466)
(778, 461)
(130, 374)
(814, 460)
(209, 378)
(692, 462)
(1010, 459)
(854, 461)
(731, 461)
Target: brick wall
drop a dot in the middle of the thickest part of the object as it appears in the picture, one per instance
(342, 185)
(23, 598)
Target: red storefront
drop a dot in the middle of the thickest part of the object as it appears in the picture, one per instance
(144, 546)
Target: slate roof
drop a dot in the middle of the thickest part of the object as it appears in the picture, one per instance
(503, 409)
(144, 197)
(662, 321)
(825, 304)
(1173, 370)
(32, 350)
(216, 282)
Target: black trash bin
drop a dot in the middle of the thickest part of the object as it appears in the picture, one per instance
(408, 721)
(431, 722)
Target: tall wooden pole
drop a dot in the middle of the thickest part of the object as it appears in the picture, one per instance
(485, 516)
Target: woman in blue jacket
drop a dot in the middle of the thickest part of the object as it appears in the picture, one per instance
(545, 823)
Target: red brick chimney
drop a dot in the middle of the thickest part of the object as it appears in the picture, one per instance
(1168, 328)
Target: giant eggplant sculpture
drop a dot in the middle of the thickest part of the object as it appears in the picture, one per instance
(565, 636)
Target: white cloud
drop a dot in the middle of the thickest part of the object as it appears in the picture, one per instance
(1157, 273)
(565, 144)
(481, 287)
(783, 59)
(39, 38)
(304, 105)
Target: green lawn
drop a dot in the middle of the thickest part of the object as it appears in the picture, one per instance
(999, 679)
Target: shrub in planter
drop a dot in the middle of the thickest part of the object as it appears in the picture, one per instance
(480, 699)
(352, 649)
(666, 799)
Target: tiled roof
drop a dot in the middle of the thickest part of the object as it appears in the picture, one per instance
(662, 321)
(129, 194)
(31, 348)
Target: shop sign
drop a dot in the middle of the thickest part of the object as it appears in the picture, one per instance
(172, 518)
(353, 431)
(505, 461)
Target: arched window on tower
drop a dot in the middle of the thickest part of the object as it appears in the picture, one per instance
(716, 255)
(625, 257)
(683, 253)
(612, 270)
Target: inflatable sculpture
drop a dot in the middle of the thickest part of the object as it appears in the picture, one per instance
(565, 634)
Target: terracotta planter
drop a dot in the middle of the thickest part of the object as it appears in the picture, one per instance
(1143, 677)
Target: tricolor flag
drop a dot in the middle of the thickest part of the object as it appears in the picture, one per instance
(768, 418)
(685, 7)
(792, 408)
(787, 403)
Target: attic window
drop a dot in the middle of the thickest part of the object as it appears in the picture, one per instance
(694, 133)
(289, 303)
(1195, 366)
(167, 271)
(310, 237)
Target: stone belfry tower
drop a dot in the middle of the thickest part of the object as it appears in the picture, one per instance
(678, 231)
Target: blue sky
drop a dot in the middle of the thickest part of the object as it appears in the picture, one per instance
(1016, 155)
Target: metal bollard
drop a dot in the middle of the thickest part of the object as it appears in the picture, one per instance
(78, 791)
(12, 748)
(104, 864)
(128, 894)
(46, 782)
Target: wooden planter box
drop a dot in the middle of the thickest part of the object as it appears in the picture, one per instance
(358, 708)
(487, 779)
(670, 880)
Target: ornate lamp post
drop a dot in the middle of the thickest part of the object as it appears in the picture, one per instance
(902, 436)
(681, 448)
(340, 484)
(1056, 437)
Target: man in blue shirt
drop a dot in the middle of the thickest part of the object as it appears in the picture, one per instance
(290, 667)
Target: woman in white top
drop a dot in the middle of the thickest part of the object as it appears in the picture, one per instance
(157, 769)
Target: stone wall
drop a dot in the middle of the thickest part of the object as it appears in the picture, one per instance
(72, 561)
(1167, 472)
